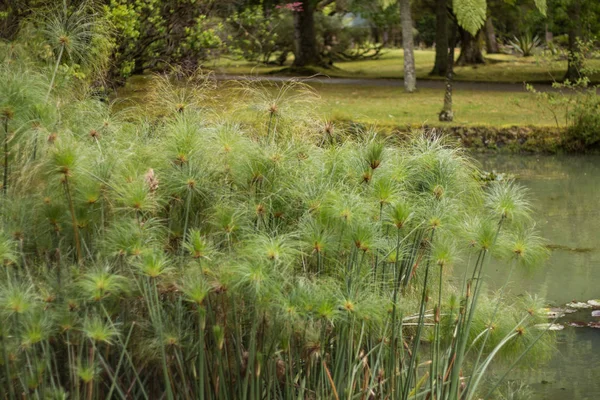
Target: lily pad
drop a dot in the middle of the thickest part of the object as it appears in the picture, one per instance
(553, 312)
(577, 324)
(596, 313)
(550, 327)
(578, 305)
(594, 303)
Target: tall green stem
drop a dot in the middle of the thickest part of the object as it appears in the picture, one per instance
(58, 60)
(187, 219)
(5, 178)
(73, 218)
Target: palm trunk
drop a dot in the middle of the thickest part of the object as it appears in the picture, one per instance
(491, 43)
(305, 37)
(440, 68)
(410, 78)
(470, 49)
(447, 115)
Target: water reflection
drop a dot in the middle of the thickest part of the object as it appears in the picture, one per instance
(566, 194)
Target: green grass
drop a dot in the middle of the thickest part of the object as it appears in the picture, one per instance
(392, 107)
(499, 68)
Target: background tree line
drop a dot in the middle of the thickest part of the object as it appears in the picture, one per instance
(150, 34)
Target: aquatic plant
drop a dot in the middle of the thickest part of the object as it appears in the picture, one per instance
(188, 254)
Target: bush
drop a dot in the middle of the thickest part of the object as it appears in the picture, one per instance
(583, 131)
(575, 105)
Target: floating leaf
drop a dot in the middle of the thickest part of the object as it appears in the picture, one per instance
(577, 324)
(553, 314)
(595, 325)
(550, 327)
(578, 305)
(594, 303)
(556, 312)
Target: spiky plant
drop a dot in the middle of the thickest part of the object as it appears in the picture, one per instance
(225, 260)
(75, 33)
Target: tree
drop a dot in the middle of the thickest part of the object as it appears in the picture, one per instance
(470, 48)
(440, 67)
(472, 16)
(574, 67)
(580, 21)
(491, 43)
(447, 114)
(469, 16)
(305, 40)
(410, 77)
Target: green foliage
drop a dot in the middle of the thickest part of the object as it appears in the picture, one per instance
(175, 252)
(470, 14)
(156, 33)
(577, 101)
(257, 37)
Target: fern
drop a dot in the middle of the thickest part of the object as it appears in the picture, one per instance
(542, 6)
(470, 14)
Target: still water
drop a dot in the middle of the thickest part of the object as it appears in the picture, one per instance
(565, 191)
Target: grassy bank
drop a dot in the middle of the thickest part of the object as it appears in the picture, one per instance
(499, 68)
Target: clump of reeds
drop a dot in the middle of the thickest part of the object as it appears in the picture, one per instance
(189, 256)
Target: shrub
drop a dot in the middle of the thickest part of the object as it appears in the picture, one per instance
(525, 45)
(583, 131)
(575, 104)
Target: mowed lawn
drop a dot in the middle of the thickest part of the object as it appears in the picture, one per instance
(391, 106)
(499, 68)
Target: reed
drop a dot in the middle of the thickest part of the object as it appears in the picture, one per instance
(198, 258)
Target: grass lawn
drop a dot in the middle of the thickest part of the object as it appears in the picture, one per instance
(499, 68)
(391, 106)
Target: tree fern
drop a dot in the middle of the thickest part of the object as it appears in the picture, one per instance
(470, 14)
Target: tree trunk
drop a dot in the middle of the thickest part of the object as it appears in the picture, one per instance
(574, 69)
(470, 49)
(491, 43)
(440, 68)
(410, 77)
(447, 114)
(304, 36)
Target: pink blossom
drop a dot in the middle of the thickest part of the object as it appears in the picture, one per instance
(294, 7)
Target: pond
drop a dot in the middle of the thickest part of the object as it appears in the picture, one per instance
(566, 197)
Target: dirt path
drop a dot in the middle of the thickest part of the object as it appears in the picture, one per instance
(421, 84)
